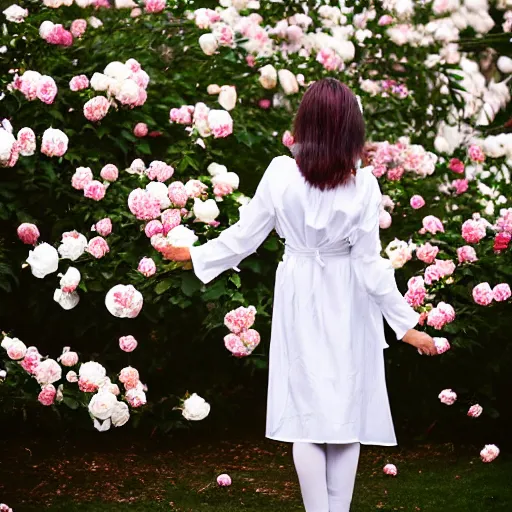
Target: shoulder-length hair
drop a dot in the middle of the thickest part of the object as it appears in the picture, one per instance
(329, 134)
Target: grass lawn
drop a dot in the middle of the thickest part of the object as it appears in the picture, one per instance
(181, 478)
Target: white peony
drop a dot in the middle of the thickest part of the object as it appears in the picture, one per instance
(101, 426)
(213, 89)
(124, 301)
(129, 92)
(45, 28)
(227, 97)
(120, 414)
(48, 372)
(72, 247)
(268, 76)
(181, 236)
(102, 405)
(137, 167)
(505, 64)
(15, 13)
(70, 280)
(117, 70)
(195, 408)
(227, 178)
(161, 192)
(208, 43)
(205, 211)
(16, 349)
(43, 260)
(94, 22)
(66, 300)
(100, 82)
(93, 373)
(288, 81)
(7, 142)
(215, 169)
(399, 253)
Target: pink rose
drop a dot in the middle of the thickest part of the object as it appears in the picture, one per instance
(433, 224)
(178, 194)
(460, 186)
(95, 190)
(427, 252)
(143, 204)
(82, 176)
(456, 166)
(390, 469)
(153, 227)
(47, 395)
(482, 294)
(240, 319)
(96, 108)
(417, 202)
(78, 27)
(78, 83)
(97, 247)
(442, 345)
(489, 453)
(501, 292)
(466, 253)
(288, 139)
(109, 172)
(129, 377)
(46, 89)
(127, 343)
(159, 171)
(103, 227)
(154, 6)
(147, 267)
(475, 153)
(140, 130)
(224, 480)
(448, 396)
(475, 411)
(28, 233)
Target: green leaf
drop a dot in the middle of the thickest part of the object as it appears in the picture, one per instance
(163, 286)
(190, 284)
(235, 279)
(144, 148)
(272, 244)
(215, 291)
(71, 402)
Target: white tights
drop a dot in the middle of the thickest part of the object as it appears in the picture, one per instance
(327, 473)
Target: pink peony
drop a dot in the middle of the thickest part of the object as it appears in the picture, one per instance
(432, 224)
(432, 274)
(78, 27)
(170, 219)
(135, 397)
(71, 376)
(288, 139)
(475, 411)
(501, 292)
(28, 233)
(417, 202)
(109, 172)
(178, 194)
(103, 227)
(143, 204)
(95, 190)
(330, 60)
(16, 350)
(129, 377)
(153, 227)
(416, 292)
(59, 35)
(68, 357)
(446, 267)
(240, 319)
(473, 231)
(82, 176)
(159, 171)
(54, 143)
(501, 241)
(47, 395)
(442, 345)
(456, 166)
(265, 104)
(127, 343)
(124, 301)
(46, 89)
(182, 115)
(447, 397)
(147, 267)
(26, 142)
(466, 253)
(489, 452)
(48, 372)
(460, 186)
(390, 469)
(396, 173)
(482, 294)
(447, 310)
(96, 108)
(439, 316)
(505, 221)
(427, 252)
(140, 130)
(222, 189)
(78, 83)
(97, 247)
(195, 188)
(221, 123)
(475, 153)
(224, 480)
(250, 338)
(31, 360)
(235, 345)
(154, 6)
(386, 19)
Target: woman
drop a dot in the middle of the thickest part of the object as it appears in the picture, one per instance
(327, 390)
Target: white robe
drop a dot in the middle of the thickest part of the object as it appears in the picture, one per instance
(326, 375)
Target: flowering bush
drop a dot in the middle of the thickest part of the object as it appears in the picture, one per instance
(113, 151)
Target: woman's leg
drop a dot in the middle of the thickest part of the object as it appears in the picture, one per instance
(342, 460)
(310, 463)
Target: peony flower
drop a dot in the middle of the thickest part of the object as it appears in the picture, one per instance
(476, 153)
(46, 89)
(442, 345)
(227, 97)
(54, 143)
(16, 349)
(48, 372)
(427, 252)
(205, 211)
(96, 108)
(102, 405)
(223, 480)
(135, 397)
(288, 139)
(473, 231)
(170, 219)
(129, 377)
(153, 227)
(129, 93)
(195, 188)
(399, 253)
(47, 395)
(456, 165)
(15, 14)
(95, 190)
(475, 411)
(182, 115)
(103, 227)
(28, 233)
(68, 358)
(432, 224)
(140, 130)
(143, 204)
(120, 414)
(195, 408)
(78, 83)
(390, 469)
(482, 294)
(460, 186)
(501, 241)
(160, 171)
(147, 267)
(43, 260)
(78, 27)
(489, 452)
(65, 300)
(240, 319)
(417, 202)
(178, 194)
(91, 376)
(98, 247)
(288, 81)
(127, 343)
(466, 253)
(26, 139)
(447, 397)
(71, 376)
(109, 172)
(73, 245)
(82, 176)
(416, 292)
(501, 292)
(31, 360)
(268, 77)
(220, 123)
(154, 6)
(181, 236)
(124, 301)
(230, 180)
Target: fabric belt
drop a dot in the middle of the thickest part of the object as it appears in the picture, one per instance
(318, 254)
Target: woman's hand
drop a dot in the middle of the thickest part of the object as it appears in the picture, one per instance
(176, 253)
(422, 341)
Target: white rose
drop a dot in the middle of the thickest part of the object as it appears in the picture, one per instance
(72, 248)
(65, 300)
(48, 372)
(227, 97)
(70, 280)
(92, 372)
(181, 236)
(102, 426)
(120, 414)
(117, 70)
(124, 301)
(268, 76)
(504, 64)
(161, 192)
(215, 169)
(16, 14)
(227, 178)
(43, 260)
(205, 211)
(288, 81)
(208, 43)
(102, 405)
(7, 141)
(195, 408)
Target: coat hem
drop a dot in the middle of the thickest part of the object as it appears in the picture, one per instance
(323, 441)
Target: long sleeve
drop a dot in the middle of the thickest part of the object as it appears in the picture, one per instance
(376, 273)
(240, 240)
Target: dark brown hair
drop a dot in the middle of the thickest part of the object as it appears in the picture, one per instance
(329, 134)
